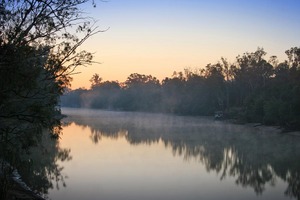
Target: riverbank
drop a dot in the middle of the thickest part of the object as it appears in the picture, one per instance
(16, 191)
(272, 129)
(12, 185)
(263, 127)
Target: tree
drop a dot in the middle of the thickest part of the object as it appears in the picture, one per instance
(172, 93)
(253, 70)
(284, 92)
(227, 70)
(140, 79)
(95, 80)
(293, 56)
(216, 87)
(141, 92)
(38, 55)
(73, 98)
(105, 95)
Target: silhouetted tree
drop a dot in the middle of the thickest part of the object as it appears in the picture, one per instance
(105, 95)
(172, 93)
(95, 80)
(141, 92)
(38, 54)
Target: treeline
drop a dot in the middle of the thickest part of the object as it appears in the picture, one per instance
(252, 89)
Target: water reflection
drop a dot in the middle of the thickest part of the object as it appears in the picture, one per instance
(254, 158)
(39, 168)
(44, 172)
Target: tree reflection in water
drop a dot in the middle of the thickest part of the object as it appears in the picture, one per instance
(254, 157)
(39, 167)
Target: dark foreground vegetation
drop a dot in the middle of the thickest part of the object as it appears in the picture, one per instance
(37, 57)
(252, 89)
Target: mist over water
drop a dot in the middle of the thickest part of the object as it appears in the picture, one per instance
(128, 155)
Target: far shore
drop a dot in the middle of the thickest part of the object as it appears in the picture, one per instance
(271, 129)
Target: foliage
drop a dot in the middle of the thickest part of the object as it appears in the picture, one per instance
(38, 54)
(95, 80)
(250, 90)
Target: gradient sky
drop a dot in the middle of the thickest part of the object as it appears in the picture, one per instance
(159, 37)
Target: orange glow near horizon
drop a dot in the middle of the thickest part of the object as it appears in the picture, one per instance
(157, 38)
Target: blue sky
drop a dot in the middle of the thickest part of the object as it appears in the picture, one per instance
(159, 37)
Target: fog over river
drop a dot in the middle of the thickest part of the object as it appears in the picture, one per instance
(146, 156)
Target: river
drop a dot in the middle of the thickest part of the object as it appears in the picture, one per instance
(146, 156)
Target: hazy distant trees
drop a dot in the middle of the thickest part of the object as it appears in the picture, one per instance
(105, 95)
(252, 89)
(140, 92)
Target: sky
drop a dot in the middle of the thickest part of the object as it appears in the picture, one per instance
(158, 37)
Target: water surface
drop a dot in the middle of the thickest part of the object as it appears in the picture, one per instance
(126, 155)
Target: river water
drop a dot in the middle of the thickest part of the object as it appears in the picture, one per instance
(142, 156)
